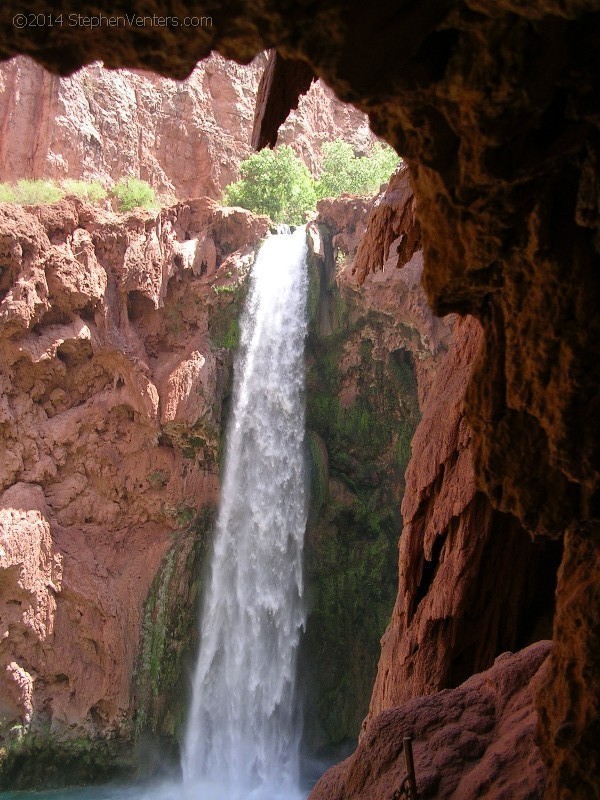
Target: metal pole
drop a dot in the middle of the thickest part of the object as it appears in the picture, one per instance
(410, 767)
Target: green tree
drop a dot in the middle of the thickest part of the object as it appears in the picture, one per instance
(340, 170)
(276, 183)
(344, 172)
(378, 166)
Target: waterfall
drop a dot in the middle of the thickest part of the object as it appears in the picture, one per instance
(243, 734)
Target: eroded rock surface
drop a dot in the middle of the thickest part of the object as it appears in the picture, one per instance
(387, 265)
(472, 584)
(494, 106)
(478, 740)
(114, 337)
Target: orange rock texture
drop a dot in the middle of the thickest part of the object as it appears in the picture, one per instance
(494, 106)
(453, 615)
(472, 584)
(112, 379)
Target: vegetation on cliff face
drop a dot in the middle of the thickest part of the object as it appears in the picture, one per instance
(362, 409)
(42, 761)
(133, 193)
(126, 194)
(224, 316)
(169, 631)
(277, 183)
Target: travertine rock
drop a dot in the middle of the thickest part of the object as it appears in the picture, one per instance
(477, 740)
(569, 690)
(453, 614)
(472, 584)
(494, 106)
(32, 568)
(391, 285)
(281, 85)
(110, 416)
(391, 223)
(385, 268)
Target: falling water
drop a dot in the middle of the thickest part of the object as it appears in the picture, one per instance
(243, 734)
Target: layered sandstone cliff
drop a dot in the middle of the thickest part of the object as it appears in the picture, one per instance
(187, 138)
(114, 337)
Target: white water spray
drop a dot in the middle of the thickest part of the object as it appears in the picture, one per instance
(243, 734)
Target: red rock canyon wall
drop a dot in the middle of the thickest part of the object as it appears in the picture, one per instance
(185, 138)
(112, 381)
(493, 105)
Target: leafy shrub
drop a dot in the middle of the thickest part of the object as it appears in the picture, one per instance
(344, 172)
(30, 192)
(7, 193)
(91, 192)
(33, 192)
(158, 479)
(276, 183)
(134, 193)
(378, 165)
(129, 192)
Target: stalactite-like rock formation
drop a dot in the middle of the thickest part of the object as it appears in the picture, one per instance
(472, 583)
(282, 83)
(494, 106)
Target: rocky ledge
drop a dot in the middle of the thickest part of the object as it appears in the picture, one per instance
(478, 740)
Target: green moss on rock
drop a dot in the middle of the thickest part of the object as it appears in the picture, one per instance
(169, 632)
(225, 313)
(199, 442)
(361, 413)
(42, 761)
(319, 473)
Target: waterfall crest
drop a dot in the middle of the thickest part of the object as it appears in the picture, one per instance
(243, 735)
